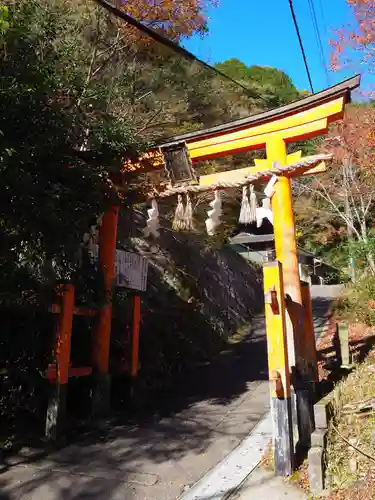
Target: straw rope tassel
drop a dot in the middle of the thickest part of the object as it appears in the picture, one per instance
(253, 204)
(213, 220)
(189, 225)
(179, 216)
(245, 207)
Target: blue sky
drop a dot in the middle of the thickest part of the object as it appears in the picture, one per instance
(262, 33)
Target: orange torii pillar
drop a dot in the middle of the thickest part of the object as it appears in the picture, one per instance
(278, 365)
(102, 333)
(56, 410)
(285, 241)
(286, 253)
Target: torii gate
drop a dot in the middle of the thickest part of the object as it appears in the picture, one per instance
(289, 346)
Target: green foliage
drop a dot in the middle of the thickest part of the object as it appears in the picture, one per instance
(357, 251)
(275, 87)
(50, 189)
(360, 250)
(309, 147)
(61, 135)
(357, 303)
(4, 24)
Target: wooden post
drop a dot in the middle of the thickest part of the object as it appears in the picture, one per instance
(286, 253)
(102, 334)
(56, 410)
(281, 408)
(307, 396)
(309, 338)
(135, 335)
(343, 334)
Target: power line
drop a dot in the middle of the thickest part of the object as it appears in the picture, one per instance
(301, 44)
(323, 19)
(318, 39)
(322, 14)
(158, 37)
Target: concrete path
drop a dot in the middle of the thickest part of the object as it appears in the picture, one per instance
(263, 485)
(162, 458)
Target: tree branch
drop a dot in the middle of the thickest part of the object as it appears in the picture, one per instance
(150, 120)
(329, 200)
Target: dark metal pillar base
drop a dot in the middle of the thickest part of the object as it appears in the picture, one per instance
(305, 416)
(101, 396)
(281, 411)
(56, 412)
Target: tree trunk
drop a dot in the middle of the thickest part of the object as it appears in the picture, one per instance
(349, 217)
(371, 262)
(369, 253)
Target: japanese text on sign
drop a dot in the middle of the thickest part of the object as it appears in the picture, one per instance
(131, 269)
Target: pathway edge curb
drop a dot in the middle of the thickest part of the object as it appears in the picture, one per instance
(229, 474)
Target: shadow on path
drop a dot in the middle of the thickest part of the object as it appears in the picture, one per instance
(153, 456)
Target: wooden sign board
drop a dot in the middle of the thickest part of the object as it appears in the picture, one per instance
(178, 164)
(131, 269)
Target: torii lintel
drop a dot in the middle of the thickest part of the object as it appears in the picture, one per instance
(302, 119)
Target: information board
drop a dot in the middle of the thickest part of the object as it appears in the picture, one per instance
(130, 268)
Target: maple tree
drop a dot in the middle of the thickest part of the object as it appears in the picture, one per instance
(342, 200)
(356, 44)
(176, 19)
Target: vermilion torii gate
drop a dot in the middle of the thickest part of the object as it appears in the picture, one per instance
(289, 358)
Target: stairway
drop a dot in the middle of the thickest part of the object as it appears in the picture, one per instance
(322, 297)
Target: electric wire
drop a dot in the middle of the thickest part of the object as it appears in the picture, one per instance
(301, 44)
(178, 49)
(322, 14)
(323, 19)
(318, 39)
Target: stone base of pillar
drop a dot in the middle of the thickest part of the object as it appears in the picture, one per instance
(101, 396)
(56, 412)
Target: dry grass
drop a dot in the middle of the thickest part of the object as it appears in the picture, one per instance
(350, 474)
(346, 485)
(267, 460)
